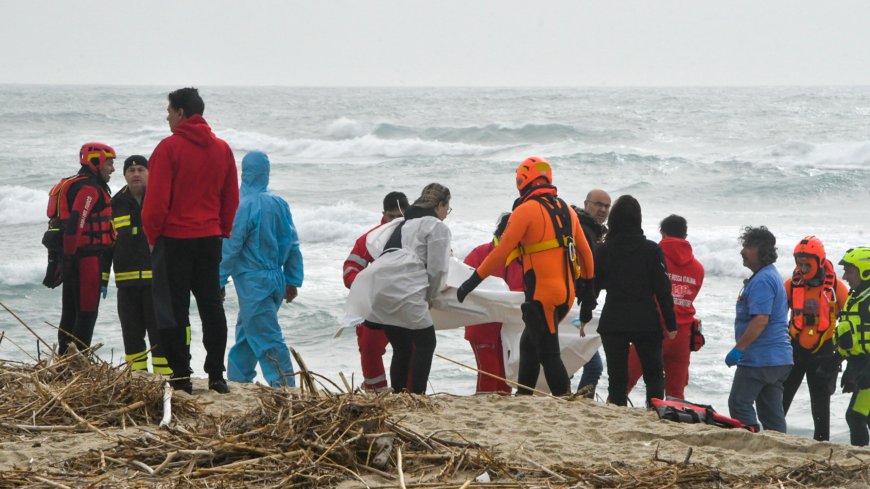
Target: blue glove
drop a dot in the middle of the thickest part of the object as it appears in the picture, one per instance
(733, 357)
(104, 290)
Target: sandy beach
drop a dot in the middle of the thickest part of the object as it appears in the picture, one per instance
(507, 437)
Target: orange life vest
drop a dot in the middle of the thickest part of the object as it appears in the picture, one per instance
(815, 322)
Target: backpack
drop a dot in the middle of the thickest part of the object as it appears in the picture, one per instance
(57, 213)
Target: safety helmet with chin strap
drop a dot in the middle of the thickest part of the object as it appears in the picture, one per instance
(95, 151)
(811, 247)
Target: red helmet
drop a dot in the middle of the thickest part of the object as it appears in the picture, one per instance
(811, 247)
(100, 151)
(531, 169)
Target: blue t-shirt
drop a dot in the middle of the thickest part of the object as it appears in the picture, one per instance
(765, 294)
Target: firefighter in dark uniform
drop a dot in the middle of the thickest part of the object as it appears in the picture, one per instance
(132, 262)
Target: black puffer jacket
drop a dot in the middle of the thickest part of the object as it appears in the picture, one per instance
(632, 270)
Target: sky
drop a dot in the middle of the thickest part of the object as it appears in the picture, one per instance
(435, 43)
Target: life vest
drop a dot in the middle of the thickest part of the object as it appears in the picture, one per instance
(682, 411)
(804, 319)
(853, 332)
(99, 229)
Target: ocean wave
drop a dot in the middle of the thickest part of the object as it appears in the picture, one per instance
(26, 271)
(490, 133)
(835, 155)
(22, 205)
(362, 146)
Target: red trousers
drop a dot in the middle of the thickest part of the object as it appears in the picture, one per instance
(372, 346)
(675, 354)
(490, 359)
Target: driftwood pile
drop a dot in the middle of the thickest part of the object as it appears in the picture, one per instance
(306, 438)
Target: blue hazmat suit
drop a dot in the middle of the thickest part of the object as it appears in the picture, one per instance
(263, 257)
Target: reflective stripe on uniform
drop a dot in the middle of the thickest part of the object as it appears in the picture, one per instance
(105, 276)
(862, 402)
(138, 361)
(187, 330)
(161, 366)
(376, 380)
(357, 259)
(134, 275)
(122, 221)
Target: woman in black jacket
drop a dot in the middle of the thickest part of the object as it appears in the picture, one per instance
(632, 270)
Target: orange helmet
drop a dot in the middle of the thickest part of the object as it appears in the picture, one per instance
(99, 151)
(811, 247)
(531, 169)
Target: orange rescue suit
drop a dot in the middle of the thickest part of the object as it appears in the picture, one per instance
(546, 272)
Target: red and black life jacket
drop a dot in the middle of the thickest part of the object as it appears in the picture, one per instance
(99, 230)
(682, 411)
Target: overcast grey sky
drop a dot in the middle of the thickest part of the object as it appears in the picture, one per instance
(444, 42)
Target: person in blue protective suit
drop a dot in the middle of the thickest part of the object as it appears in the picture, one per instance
(264, 259)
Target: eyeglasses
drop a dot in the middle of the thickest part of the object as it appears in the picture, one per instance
(449, 210)
(601, 205)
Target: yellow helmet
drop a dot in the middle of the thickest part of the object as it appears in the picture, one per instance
(859, 258)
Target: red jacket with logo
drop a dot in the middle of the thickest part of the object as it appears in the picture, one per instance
(512, 274)
(358, 259)
(193, 188)
(686, 274)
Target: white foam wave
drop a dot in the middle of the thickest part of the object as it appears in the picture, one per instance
(22, 205)
(835, 155)
(362, 146)
(344, 128)
(22, 271)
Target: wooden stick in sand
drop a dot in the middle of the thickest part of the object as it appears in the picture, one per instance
(167, 405)
(511, 382)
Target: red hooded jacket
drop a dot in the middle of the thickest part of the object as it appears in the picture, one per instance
(512, 274)
(193, 188)
(686, 274)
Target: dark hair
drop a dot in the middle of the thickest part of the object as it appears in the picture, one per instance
(501, 224)
(394, 201)
(674, 226)
(625, 216)
(188, 100)
(764, 240)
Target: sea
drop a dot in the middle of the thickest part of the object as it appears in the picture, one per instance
(794, 159)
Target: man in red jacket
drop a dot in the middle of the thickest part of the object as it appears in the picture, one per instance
(193, 194)
(485, 338)
(687, 275)
(372, 342)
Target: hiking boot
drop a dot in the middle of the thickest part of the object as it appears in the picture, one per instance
(182, 385)
(219, 385)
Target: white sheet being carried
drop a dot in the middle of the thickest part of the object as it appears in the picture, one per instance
(491, 301)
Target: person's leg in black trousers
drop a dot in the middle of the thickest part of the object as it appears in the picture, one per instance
(539, 347)
(819, 384)
(795, 377)
(205, 285)
(649, 352)
(616, 352)
(172, 264)
(402, 345)
(421, 358)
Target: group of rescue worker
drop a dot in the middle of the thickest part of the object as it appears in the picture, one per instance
(196, 229)
(189, 235)
(556, 254)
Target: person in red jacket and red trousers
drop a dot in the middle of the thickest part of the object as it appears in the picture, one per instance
(485, 338)
(687, 275)
(372, 342)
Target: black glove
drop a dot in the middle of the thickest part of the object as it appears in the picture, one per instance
(473, 281)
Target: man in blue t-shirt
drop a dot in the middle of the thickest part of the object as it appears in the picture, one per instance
(763, 352)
